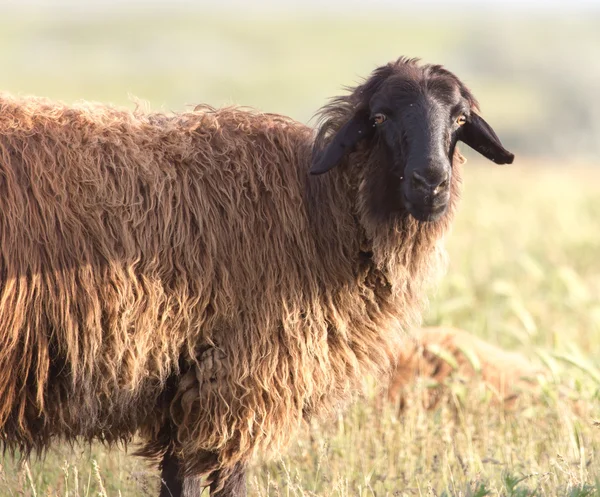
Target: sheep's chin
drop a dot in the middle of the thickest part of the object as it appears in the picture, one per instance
(425, 214)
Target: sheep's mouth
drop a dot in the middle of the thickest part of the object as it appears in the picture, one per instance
(425, 213)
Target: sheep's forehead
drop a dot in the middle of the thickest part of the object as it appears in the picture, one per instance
(400, 89)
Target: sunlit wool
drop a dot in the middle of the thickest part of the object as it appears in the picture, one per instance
(185, 270)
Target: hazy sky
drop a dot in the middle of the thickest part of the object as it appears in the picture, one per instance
(320, 4)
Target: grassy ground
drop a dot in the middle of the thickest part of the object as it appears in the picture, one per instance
(524, 274)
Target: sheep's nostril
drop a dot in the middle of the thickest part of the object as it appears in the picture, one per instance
(434, 183)
(419, 181)
(441, 187)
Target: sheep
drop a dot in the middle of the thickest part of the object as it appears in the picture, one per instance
(191, 279)
(443, 353)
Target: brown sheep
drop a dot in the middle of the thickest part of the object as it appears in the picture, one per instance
(443, 353)
(185, 279)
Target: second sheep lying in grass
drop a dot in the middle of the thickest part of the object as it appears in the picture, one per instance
(440, 355)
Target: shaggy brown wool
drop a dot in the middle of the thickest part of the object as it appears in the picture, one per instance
(185, 273)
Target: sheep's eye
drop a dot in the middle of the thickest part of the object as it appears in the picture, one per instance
(461, 120)
(379, 118)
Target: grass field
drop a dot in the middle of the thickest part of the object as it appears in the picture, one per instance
(525, 249)
(525, 274)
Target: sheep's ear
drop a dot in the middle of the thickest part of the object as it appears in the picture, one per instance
(342, 142)
(480, 136)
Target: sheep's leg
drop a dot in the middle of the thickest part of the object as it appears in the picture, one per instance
(233, 486)
(172, 485)
(192, 487)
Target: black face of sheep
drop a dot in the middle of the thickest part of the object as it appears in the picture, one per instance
(410, 117)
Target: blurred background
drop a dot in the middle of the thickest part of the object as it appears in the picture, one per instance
(535, 66)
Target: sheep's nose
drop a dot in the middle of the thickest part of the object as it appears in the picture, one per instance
(434, 183)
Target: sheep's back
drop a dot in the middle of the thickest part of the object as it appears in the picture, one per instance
(128, 242)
